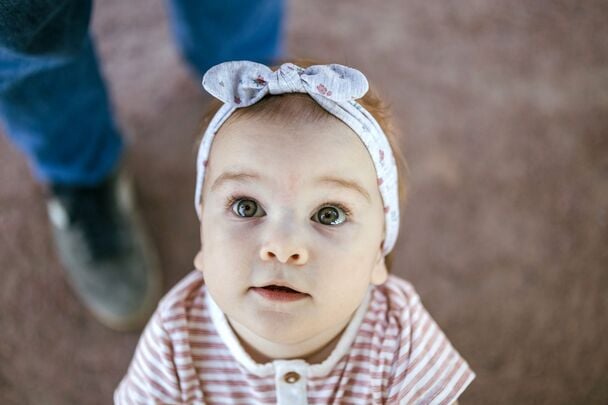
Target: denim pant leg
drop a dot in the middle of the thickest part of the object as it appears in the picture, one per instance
(53, 100)
(209, 32)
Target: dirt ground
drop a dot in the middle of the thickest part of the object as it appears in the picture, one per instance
(504, 111)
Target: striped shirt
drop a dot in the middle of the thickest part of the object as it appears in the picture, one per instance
(391, 352)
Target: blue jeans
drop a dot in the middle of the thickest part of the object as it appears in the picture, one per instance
(53, 100)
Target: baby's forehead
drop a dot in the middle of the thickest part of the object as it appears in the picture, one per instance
(294, 153)
(294, 159)
(326, 137)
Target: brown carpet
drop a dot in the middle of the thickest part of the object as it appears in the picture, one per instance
(504, 106)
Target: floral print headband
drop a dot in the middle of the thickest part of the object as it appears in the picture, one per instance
(334, 87)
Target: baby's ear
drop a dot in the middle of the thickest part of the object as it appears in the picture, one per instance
(380, 272)
(198, 260)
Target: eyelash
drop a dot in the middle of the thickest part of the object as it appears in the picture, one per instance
(234, 198)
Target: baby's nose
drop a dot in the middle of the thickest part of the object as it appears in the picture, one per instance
(284, 252)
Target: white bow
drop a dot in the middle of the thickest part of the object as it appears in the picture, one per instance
(243, 83)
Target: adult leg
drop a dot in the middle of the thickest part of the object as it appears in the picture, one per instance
(53, 100)
(55, 108)
(209, 32)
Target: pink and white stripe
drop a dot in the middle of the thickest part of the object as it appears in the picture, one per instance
(398, 355)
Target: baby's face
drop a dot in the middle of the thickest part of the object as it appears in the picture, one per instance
(295, 205)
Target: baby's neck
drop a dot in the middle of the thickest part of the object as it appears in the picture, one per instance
(312, 351)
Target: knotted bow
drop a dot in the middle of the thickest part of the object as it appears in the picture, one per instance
(243, 83)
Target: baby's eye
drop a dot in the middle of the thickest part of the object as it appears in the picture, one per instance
(247, 208)
(330, 215)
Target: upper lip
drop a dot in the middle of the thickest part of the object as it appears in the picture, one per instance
(280, 283)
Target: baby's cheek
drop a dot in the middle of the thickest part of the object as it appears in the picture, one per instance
(223, 228)
(239, 235)
(347, 262)
(338, 237)
(350, 240)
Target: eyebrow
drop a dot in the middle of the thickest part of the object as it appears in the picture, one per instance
(239, 177)
(344, 183)
(243, 177)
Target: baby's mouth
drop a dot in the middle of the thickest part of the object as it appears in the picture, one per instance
(279, 293)
(280, 288)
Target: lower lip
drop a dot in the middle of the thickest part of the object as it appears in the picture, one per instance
(275, 295)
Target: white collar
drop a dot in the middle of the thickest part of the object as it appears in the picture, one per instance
(266, 369)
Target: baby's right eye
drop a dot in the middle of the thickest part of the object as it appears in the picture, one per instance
(247, 208)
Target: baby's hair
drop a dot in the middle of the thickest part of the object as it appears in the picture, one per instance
(296, 108)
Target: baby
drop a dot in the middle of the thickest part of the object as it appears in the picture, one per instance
(298, 194)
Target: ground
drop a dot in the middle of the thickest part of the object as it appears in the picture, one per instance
(503, 108)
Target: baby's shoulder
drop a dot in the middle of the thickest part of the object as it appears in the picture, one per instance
(396, 295)
(394, 310)
(425, 367)
(183, 295)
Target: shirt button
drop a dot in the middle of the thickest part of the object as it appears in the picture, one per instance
(291, 377)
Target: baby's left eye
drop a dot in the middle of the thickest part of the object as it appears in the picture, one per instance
(329, 215)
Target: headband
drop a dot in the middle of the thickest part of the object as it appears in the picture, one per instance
(334, 87)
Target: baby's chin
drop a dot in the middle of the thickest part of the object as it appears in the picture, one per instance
(280, 328)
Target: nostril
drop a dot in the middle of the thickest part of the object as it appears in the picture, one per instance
(295, 258)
